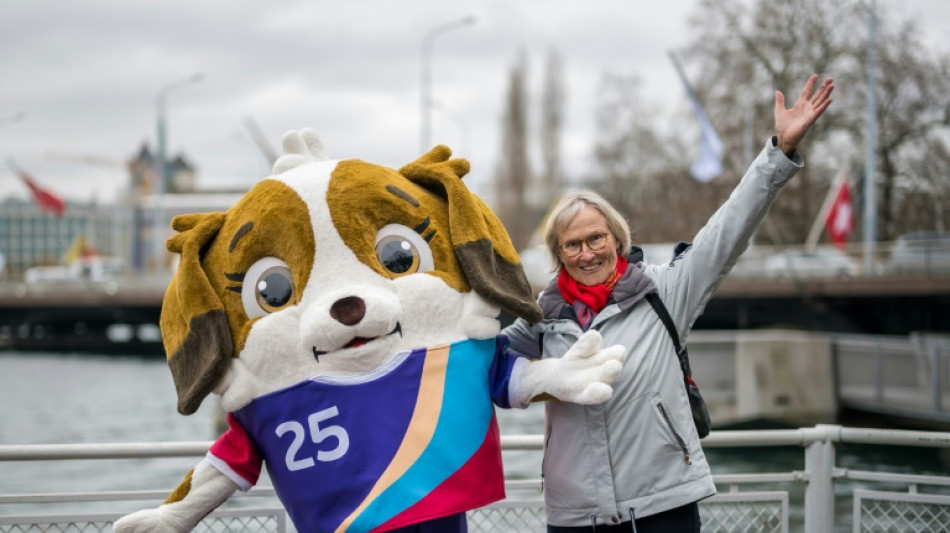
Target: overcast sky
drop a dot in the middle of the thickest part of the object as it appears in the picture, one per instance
(81, 78)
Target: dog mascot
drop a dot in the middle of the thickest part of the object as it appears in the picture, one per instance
(346, 317)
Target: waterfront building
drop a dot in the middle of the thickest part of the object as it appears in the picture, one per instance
(124, 230)
(29, 237)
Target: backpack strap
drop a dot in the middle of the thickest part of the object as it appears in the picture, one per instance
(667, 320)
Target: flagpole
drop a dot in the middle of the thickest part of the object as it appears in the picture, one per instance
(870, 144)
(812, 241)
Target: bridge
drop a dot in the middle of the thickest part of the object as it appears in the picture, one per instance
(883, 305)
(119, 316)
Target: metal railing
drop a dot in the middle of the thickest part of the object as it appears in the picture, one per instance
(922, 505)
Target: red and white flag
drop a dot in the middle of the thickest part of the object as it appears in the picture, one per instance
(45, 199)
(840, 219)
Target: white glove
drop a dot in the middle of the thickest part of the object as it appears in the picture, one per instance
(583, 375)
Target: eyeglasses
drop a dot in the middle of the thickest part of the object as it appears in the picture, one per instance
(595, 243)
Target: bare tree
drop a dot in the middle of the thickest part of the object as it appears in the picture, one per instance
(552, 110)
(743, 52)
(643, 173)
(913, 119)
(514, 172)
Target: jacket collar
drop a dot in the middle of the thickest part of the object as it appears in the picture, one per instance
(630, 289)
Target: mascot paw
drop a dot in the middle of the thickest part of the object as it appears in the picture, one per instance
(150, 520)
(586, 371)
(583, 375)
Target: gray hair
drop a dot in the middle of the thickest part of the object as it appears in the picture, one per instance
(570, 204)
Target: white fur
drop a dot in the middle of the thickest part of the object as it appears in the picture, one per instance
(209, 489)
(300, 147)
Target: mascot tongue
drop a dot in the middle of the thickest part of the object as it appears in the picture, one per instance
(357, 341)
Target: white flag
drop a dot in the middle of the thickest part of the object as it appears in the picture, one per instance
(708, 163)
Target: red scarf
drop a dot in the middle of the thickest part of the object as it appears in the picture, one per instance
(594, 296)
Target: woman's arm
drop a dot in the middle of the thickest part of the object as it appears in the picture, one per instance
(687, 284)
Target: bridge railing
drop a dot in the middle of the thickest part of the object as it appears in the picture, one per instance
(900, 376)
(800, 377)
(884, 501)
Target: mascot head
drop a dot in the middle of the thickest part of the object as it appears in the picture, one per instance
(332, 268)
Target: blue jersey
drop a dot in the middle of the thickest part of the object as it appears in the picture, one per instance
(412, 441)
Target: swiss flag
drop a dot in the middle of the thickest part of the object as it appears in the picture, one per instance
(45, 199)
(840, 219)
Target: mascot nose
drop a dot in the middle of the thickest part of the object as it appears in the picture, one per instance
(348, 311)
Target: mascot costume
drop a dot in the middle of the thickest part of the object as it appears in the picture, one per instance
(346, 316)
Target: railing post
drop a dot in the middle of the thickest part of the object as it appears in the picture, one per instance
(935, 377)
(819, 491)
(878, 374)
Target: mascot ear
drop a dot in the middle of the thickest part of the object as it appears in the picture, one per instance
(194, 324)
(482, 244)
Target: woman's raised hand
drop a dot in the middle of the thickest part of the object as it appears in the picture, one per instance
(792, 124)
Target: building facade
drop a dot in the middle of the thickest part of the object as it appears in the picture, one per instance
(126, 230)
(29, 237)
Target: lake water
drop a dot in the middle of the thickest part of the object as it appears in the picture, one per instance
(70, 399)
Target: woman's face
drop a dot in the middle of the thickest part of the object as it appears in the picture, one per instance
(588, 267)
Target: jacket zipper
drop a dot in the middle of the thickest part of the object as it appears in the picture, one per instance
(676, 435)
(544, 457)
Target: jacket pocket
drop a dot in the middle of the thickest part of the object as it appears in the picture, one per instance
(674, 432)
(570, 465)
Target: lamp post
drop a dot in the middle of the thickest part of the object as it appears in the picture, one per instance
(163, 174)
(426, 76)
(460, 123)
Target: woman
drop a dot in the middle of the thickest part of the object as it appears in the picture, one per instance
(635, 463)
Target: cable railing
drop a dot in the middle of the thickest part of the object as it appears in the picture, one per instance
(757, 501)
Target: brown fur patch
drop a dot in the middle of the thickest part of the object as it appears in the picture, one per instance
(196, 377)
(362, 200)
(281, 229)
(471, 248)
(203, 320)
(189, 294)
(181, 490)
(503, 283)
(489, 260)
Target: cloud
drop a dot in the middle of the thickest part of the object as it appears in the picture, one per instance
(87, 74)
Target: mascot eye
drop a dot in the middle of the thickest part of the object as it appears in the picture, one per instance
(268, 287)
(402, 251)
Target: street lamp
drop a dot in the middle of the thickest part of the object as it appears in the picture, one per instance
(163, 170)
(460, 122)
(426, 76)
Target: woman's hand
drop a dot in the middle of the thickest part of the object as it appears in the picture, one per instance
(792, 124)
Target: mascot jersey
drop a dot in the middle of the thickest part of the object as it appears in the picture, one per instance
(412, 441)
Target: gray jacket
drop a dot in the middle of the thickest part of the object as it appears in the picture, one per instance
(639, 454)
